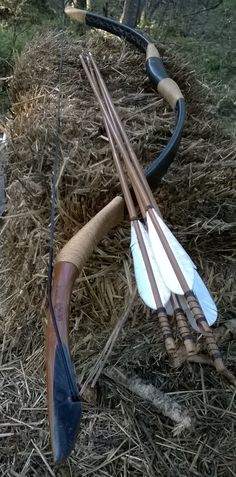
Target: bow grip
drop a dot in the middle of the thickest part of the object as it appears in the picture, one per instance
(156, 71)
(80, 247)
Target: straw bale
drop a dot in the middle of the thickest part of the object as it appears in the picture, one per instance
(120, 435)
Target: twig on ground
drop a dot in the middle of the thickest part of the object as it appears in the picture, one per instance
(106, 352)
(165, 404)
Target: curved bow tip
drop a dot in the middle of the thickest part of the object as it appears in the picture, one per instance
(76, 14)
(64, 406)
(66, 427)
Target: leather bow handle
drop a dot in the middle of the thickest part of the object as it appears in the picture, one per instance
(80, 247)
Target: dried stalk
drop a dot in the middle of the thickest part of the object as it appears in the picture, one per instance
(161, 401)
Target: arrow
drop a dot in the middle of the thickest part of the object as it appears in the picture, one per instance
(144, 261)
(149, 282)
(176, 267)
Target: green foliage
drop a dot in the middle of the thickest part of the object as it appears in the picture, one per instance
(22, 24)
(15, 7)
(208, 41)
(206, 38)
(18, 31)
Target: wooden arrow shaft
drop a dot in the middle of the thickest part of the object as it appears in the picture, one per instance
(143, 193)
(145, 197)
(113, 134)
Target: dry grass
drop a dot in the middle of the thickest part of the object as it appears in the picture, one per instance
(121, 435)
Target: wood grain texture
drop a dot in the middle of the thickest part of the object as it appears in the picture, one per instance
(64, 407)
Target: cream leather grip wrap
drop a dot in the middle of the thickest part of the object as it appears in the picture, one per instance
(76, 14)
(80, 247)
(169, 90)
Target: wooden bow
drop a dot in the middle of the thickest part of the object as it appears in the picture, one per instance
(63, 396)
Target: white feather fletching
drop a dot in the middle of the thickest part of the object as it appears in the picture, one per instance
(183, 305)
(3, 139)
(205, 300)
(188, 313)
(142, 280)
(169, 308)
(184, 261)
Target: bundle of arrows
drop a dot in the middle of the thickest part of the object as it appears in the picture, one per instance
(166, 277)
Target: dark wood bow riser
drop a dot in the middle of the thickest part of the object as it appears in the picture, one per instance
(64, 406)
(63, 397)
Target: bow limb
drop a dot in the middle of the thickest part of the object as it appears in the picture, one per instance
(63, 401)
(167, 88)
